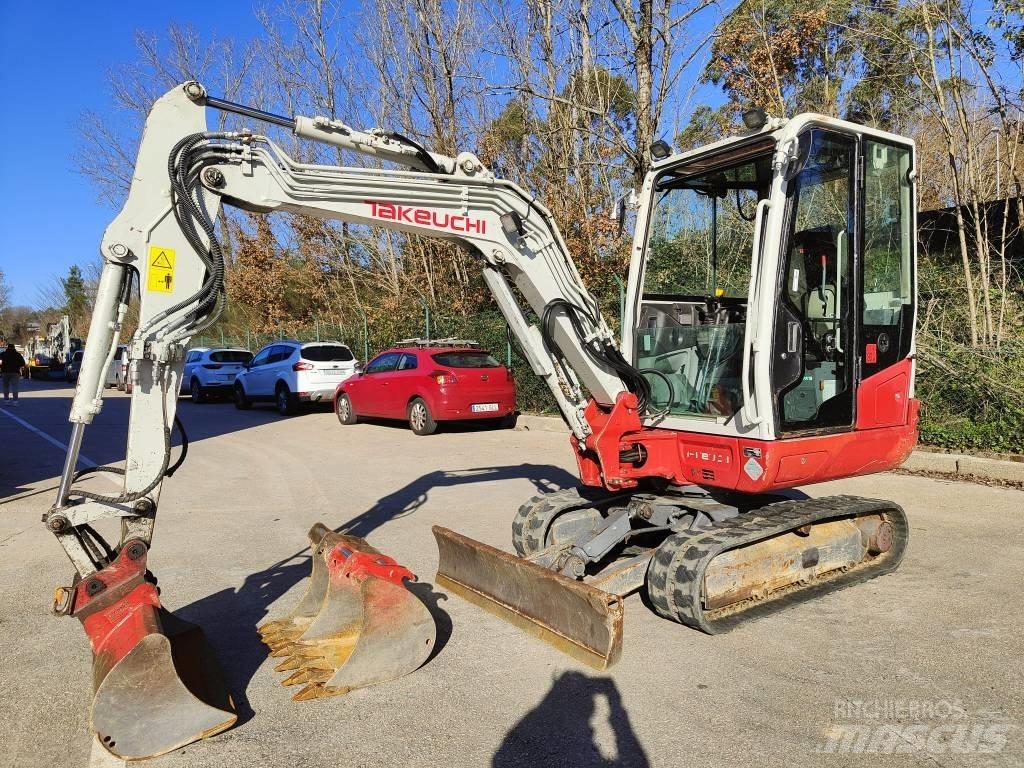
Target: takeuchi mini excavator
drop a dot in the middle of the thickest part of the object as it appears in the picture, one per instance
(767, 343)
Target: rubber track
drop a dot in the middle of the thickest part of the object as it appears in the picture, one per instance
(675, 578)
(530, 525)
(533, 520)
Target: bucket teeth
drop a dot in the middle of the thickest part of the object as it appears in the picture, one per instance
(314, 691)
(273, 627)
(292, 662)
(357, 624)
(308, 676)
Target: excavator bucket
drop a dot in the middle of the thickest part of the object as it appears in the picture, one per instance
(573, 616)
(157, 684)
(281, 632)
(367, 627)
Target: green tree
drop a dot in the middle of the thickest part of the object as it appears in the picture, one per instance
(76, 303)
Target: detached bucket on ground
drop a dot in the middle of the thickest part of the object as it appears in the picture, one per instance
(357, 624)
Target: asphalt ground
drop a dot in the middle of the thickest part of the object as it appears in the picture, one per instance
(920, 667)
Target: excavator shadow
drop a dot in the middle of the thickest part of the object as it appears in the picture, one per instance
(230, 617)
(406, 500)
(580, 722)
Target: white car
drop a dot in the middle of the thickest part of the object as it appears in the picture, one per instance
(117, 373)
(212, 371)
(291, 372)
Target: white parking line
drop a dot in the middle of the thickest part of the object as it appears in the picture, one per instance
(82, 458)
(98, 756)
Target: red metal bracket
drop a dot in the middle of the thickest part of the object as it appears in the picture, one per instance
(348, 563)
(117, 605)
(598, 458)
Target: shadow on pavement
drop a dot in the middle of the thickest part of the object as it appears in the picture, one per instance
(33, 460)
(230, 617)
(408, 499)
(566, 727)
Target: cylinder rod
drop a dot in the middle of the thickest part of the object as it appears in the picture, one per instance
(246, 111)
(70, 463)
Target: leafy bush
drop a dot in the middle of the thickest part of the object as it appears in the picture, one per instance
(972, 398)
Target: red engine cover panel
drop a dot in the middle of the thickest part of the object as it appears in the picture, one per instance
(882, 399)
(884, 435)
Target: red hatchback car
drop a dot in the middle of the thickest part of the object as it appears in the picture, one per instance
(427, 383)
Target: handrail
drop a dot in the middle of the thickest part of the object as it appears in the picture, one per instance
(749, 408)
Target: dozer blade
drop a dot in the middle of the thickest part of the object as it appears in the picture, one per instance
(573, 616)
(157, 684)
(368, 629)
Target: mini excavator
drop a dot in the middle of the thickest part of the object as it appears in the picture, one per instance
(767, 343)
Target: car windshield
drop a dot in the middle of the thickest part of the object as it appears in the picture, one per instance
(466, 360)
(327, 353)
(231, 356)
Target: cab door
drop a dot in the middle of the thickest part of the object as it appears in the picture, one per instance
(887, 316)
(845, 312)
(815, 346)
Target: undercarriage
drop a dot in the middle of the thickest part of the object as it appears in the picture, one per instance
(709, 561)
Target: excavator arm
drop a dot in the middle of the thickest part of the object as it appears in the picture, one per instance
(165, 238)
(165, 235)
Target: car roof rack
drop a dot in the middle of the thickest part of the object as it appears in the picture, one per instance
(449, 342)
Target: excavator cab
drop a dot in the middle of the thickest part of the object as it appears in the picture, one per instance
(773, 276)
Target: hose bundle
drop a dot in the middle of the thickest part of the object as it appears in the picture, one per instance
(600, 351)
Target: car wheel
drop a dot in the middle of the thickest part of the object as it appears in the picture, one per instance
(420, 420)
(242, 402)
(507, 421)
(286, 403)
(343, 409)
(195, 391)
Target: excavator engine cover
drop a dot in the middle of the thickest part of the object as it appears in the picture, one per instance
(157, 684)
(357, 624)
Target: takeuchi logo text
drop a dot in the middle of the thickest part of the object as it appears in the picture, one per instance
(425, 217)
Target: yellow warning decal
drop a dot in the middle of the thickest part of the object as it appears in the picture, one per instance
(161, 269)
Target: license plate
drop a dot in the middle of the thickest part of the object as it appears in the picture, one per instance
(483, 407)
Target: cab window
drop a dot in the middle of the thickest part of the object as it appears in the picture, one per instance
(887, 314)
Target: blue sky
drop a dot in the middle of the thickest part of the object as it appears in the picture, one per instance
(53, 63)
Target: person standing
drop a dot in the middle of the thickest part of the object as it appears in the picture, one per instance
(11, 363)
